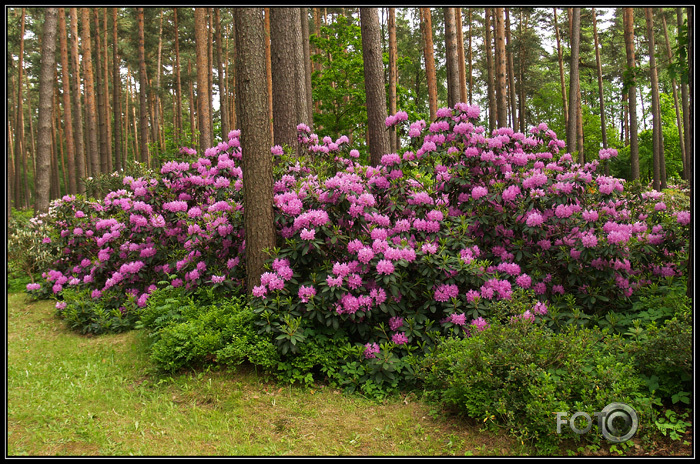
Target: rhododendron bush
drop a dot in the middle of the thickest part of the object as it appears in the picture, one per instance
(392, 257)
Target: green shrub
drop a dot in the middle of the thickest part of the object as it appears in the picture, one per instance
(191, 331)
(86, 315)
(521, 374)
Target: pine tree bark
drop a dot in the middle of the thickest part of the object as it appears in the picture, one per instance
(491, 86)
(451, 58)
(255, 142)
(93, 153)
(393, 75)
(572, 128)
(108, 121)
(71, 186)
(679, 116)
(300, 68)
(19, 125)
(307, 66)
(80, 162)
(46, 94)
(100, 88)
(223, 94)
(685, 103)
(374, 85)
(193, 107)
(429, 54)
(178, 83)
(603, 129)
(460, 56)
(200, 33)
(268, 70)
(283, 69)
(210, 70)
(116, 93)
(511, 77)
(471, 76)
(501, 95)
(565, 104)
(628, 18)
(143, 93)
(659, 181)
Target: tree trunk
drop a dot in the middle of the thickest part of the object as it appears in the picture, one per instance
(603, 128)
(90, 103)
(685, 99)
(71, 186)
(471, 77)
(223, 94)
(178, 83)
(108, 122)
(427, 33)
(307, 66)
(255, 142)
(19, 125)
(511, 77)
(659, 162)
(200, 33)
(393, 75)
(300, 67)
(143, 93)
(283, 69)
(632, 103)
(690, 134)
(80, 162)
(100, 87)
(522, 56)
(460, 54)
(193, 108)
(116, 94)
(46, 94)
(451, 58)
(501, 95)
(268, 70)
(679, 117)
(210, 71)
(374, 85)
(561, 72)
(572, 128)
(491, 86)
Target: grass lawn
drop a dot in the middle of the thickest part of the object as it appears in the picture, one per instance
(69, 394)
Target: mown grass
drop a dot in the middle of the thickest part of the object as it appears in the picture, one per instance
(69, 394)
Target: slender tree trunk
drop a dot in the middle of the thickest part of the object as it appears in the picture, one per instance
(632, 100)
(283, 69)
(46, 93)
(691, 149)
(143, 93)
(222, 81)
(451, 58)
(300, 66)
(159, 122)
(428, 52)
(67, 110)
(659, 162)
(100, 87)
(572, 128)
(268, 69)
(307, 66)
(210, 71)
(19, 125)
(374, 85)
(108, 122)
(603, 128)
(471, 77)
(460, 54)
(491, 86)
(90, 103)
(685, 99)
(565, 105)
(116, 94)
(501, 95)
(257, 163)
(679, 116)
(511, 72)
(178, 83)
(80, 163)
(193, 108)
(200, 20)
(393, 75)
(522, 56)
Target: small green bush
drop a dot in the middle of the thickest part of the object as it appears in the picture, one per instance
(521, 374)
(86, 315)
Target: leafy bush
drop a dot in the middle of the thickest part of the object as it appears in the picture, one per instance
(519, 375)
(188, 331)
(89, 316)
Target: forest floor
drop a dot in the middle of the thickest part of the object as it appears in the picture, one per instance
(76, 395)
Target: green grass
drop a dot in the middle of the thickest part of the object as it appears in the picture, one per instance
(74, 395)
